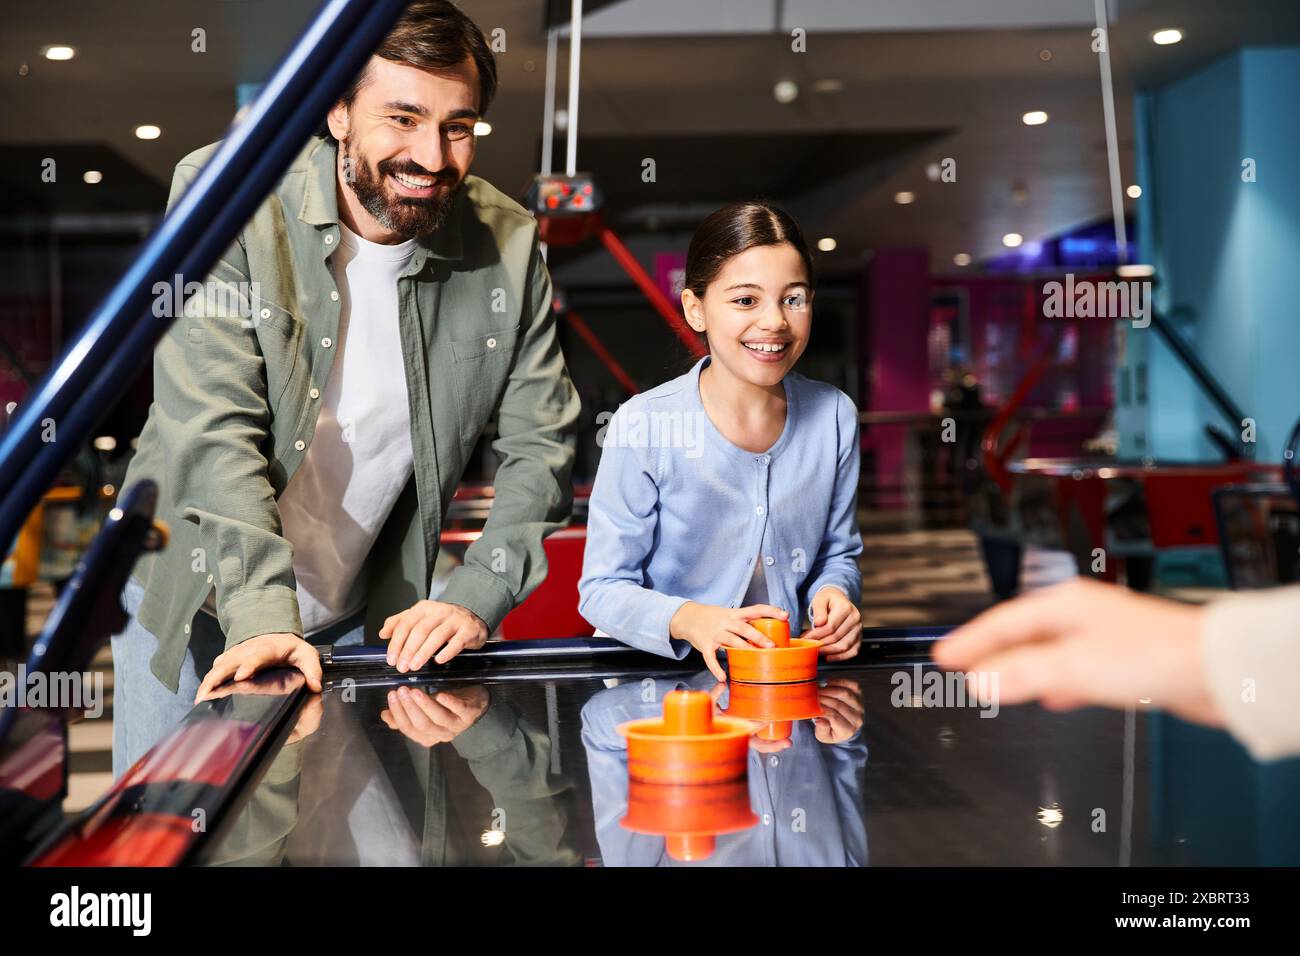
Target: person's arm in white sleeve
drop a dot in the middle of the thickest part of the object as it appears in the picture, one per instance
(1250, 644)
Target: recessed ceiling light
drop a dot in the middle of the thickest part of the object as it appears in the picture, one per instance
(904, 198)
(1135, 270)
(482, 128)
(105, 443)
(92, 176)
(961, 259)
(786, 91)
(826, 244)
(1012, 239)
(58, 51)
(1034, 118)
(1134, 191)
(148, 131)
(1166, 37)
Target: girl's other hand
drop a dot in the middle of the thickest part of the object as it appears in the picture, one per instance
(837, 625)
(707, 628)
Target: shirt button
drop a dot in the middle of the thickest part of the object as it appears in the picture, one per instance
(770, 560)
(759, 510)
(326, 342)
(300, 444)
(209, 579)
(767, 819)
(762, 459)
(187, 628)
(266, 313)
(334, 295)
(774, 761)
(329, 240)
(491, 343)
(314, 393)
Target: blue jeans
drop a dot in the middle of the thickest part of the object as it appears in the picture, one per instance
(144, 710)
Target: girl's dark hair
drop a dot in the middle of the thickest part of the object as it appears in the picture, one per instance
(732, 230)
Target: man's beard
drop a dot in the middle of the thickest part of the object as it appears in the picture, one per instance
(409, 216)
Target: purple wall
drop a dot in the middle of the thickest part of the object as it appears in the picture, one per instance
(895, 359)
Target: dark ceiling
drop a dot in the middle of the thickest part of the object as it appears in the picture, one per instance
(29, 195)
(885, 89)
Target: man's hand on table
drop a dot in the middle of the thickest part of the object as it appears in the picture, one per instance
(276, 684)
(436, 718)
(427, 628)
(259, 653)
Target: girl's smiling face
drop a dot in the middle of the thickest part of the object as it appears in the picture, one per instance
(757, 313)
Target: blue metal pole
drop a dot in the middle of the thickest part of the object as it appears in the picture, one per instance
(121, 334)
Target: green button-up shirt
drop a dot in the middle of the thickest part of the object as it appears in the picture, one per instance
(237, 385)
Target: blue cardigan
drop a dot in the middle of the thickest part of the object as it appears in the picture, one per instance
(678, 513)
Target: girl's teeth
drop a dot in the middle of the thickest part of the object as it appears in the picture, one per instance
(761, 347)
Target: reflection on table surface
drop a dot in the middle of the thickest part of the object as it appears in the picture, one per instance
(502, 771)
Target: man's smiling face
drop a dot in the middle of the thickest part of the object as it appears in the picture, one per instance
(406, 143)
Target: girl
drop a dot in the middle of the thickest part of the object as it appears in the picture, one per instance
(729, 493)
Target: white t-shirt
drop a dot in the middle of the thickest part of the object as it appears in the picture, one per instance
(756, 592)
(360, 457)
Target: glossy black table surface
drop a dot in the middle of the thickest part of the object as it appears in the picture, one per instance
(519, 762)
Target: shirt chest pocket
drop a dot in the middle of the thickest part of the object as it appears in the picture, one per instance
(480, 367)
(279, 334)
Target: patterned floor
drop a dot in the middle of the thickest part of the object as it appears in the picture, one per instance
(908, 578)
(937, 577)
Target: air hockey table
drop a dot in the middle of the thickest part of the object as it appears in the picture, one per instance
(510, 756)
(1131, 511)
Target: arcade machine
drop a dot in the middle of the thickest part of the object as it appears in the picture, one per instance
(1259, 526)
(1115, 516)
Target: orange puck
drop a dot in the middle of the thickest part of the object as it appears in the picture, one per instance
(774, 629)
(688, 817)
(776, 706)
(773, 665)
(688, 745)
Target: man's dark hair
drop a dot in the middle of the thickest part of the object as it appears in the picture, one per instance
(433, 35)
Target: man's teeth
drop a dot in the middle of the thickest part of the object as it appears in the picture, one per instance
(765, 346)
(410, 182)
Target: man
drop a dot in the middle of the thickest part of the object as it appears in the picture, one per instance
(315, 409)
